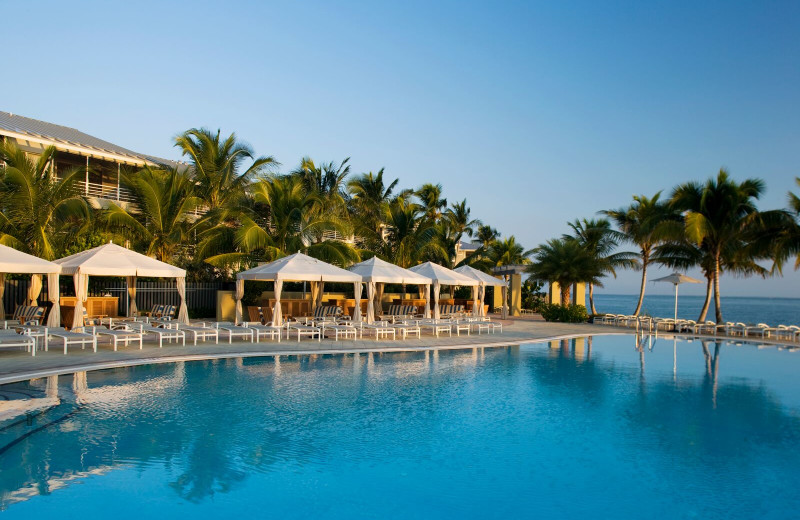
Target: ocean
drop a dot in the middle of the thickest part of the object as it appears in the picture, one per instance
(750, 310)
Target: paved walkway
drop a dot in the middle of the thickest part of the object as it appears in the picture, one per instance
(18, 365)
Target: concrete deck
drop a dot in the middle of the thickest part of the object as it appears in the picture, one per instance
(17, 365)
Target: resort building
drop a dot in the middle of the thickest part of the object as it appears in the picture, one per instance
(103, 162)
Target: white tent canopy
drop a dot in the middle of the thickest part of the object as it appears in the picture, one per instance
(376, 271)
(676, 279)
(295, 268)
(113, 260)
(484, 280)
(17, 262)
(442, 276)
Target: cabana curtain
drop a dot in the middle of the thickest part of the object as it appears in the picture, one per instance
(276, 311)
(2, 293)
(35, 289)
(357, 296)
(370, 302)
(239, 296)
(81, 282)
(132, 309)
(53, 294)
(183, 311)
(436, 289)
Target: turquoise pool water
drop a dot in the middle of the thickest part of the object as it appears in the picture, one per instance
(604, 427)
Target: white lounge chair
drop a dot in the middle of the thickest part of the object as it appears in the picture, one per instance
(264, 330)
(75, 336)
(11, 338)
(198, 331)
(303, 330)
(380, 329)
(234, 331)
(125, 336)
(161, 333)
(340, 330)
(407, 329)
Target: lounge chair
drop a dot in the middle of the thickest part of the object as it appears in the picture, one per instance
(340, 330)
(75, 336)
(303, 330)
(408, 330)
(198, 331)
(161, 333)
(125, 336)
(380, 328)
(11, 338)
(264, 330)
(234, 330)
(25, 315)
(762, 329)
(438, 326)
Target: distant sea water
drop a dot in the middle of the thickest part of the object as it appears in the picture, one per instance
(750, 310)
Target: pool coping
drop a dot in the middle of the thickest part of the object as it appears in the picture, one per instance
(274, 352)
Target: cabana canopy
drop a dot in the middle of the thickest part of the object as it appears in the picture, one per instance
(113, 260)
(17, 262)
(376, 271)
(442, 276)
(295, 268)
(483, 280)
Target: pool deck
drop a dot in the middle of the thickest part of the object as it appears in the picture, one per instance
(17, 365)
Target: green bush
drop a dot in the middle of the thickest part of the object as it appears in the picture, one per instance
(565, 314)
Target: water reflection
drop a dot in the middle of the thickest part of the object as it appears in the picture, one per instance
(212, 425)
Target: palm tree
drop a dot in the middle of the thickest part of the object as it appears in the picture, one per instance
(430, 196)
(564, 261)
(597, 237)
(486, 235)
(370, 198)
(326, 180)
(39, 214)
(646, 223)
(410, 236)
(295, 225)
(788, 242)
(161, 218)
(507, 251)
(217, 165)
(455, 223)
(721, 217)
(684, 254)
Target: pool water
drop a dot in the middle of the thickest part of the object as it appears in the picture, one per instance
(596, 427)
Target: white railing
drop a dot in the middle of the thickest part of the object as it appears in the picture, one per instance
(105, 191)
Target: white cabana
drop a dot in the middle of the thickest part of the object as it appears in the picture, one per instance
(484, 280)
(296, 268)
(442, 276)
(376, 272)
(17, 262)
(113, 260)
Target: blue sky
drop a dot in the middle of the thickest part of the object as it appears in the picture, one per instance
(537, 113)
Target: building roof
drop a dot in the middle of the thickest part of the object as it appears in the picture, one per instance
(69, 139)
(468, 246)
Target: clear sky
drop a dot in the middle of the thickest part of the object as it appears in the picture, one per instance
(536, 112)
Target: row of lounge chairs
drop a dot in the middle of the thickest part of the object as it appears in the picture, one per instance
(735, 329)
(133, 332)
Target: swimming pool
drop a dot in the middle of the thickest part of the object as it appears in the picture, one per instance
(587, 428)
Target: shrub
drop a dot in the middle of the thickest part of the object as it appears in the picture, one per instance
(565, 314)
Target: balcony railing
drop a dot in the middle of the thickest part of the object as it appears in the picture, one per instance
(105, 191)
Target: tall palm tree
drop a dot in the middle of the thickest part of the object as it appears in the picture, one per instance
(370, 198)
(507, 251)
(409, 237)
(788, 242)
(218, 165)
(564, 261)
(430, 196)
(684, 254)
(486, 235)
(455, 223)
(161, 218)
(720, 216)
(597, 237)
(647, 222)
(326, 180)
(39, 214)
(294, 225)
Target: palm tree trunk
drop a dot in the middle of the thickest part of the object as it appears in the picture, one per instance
(645, 259)
(565, 295)
(591, 298)
(707, 303)
(717, 302)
